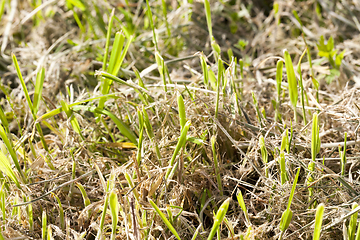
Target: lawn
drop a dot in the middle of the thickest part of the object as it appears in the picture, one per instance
(179, 119)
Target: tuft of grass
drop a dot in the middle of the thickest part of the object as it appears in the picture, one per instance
(117, 57)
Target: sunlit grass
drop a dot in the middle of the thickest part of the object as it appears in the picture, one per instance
(158, 141)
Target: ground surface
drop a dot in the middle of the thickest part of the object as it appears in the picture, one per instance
(86, 143)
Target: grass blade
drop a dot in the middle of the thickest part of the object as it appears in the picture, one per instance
(23, 83)
(7, 170)
(318, 221)
(165, 220)
(180, 144)
(279, 72)
(43, 225)
(182, 113)
(149, 14)
(293, 188)
(84, 196)
(293, 92)
(208, 17)
(264, 154)
(302, 98)
(38, 89)
(219, 218)
(114, 210)
(123, 128)
(69, 113)
(353, 223)
(108, 37)
(61, 212)
(11, 150)
(216, 165)
(118, 80)
(241, 202)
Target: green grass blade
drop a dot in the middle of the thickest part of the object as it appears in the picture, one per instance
(196, 232)
(181, 108)
(285, 220)
(7, 170)
(4, 120)
(180, 144)
(11, 150)
(123, 128)
(150, 133)
(219, 218)
(293, 188)
(205, 69)
(241, 202)
(302, 97)
(114, 210)
(164, 12)
(358, 233)
(122, 57)
(23, 83)
(43, 225)
(60, 109)
(208, 17)
(132, 185)
(108, 37)
(119, 80)
(84, 194)
(353, 223)
(293, 92)
(61, 212)
(29, 210)
(161, 67)
(115, 55)
(116, 58)
(343, 156)
(216, 165)
(77, 3)
(318, 221)
(282, 163)
(165, 220)
(264, 154)
(2, 8)
(279, 73)
(38, 89)
(69, 113)
(141, 136)
(218, 84)
(149, 14)
(285, 144)
(315, 137)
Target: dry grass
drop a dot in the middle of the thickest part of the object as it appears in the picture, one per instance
(102, 159)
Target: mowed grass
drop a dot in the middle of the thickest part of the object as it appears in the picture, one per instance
(179, 120)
